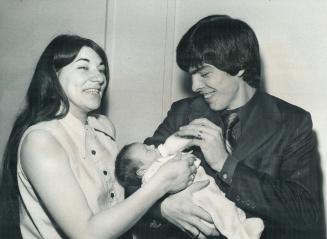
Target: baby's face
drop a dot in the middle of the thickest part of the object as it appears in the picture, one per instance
(147, 154)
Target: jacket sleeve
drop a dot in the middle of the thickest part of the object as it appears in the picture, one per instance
(170, 125)
(291, 198)
(153, 219)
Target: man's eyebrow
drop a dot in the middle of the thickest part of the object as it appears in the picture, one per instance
(198, 69)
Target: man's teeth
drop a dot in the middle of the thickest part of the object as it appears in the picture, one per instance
(208, 95)
(92, 91)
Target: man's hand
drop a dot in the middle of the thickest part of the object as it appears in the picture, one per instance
(182, 212)
(209, 138)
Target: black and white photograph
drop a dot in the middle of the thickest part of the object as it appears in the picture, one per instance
(163, 119)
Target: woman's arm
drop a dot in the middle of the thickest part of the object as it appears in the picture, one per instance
(46, 165)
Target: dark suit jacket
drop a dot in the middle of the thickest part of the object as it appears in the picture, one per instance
(274, 171)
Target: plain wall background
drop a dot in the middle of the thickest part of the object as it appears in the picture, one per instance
(140, 38)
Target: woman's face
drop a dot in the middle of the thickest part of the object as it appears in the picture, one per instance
(83, 81)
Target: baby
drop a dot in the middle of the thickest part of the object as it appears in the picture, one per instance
(137, 163)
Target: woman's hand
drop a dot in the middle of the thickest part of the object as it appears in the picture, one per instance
(177, 173)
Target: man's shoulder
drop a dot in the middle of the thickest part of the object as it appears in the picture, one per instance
(287, 110)
(188, 100)
(193, 102)
(287, 107)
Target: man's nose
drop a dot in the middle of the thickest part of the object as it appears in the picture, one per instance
(196, 83)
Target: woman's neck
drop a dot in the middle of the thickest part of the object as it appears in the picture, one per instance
(79, 115)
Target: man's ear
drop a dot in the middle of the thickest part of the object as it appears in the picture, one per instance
(240, 73)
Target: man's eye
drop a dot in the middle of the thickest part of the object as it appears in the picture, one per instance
(204, 75)
(83, 68)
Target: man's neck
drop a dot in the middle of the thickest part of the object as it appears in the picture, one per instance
(243, 96)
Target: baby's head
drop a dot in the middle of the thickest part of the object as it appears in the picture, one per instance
(132, 161)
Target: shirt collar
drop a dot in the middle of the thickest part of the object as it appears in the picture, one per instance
(244, 111)
(74, 124)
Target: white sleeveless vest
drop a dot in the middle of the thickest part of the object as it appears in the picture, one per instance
(92, 151)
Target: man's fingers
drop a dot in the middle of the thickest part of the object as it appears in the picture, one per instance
(204, 122)
(190, 160)
(198, 186)
(201, 236)
(205, 228)
(197, 130)
(202, 214)
(189, 229)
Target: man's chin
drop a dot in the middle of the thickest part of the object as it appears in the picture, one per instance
(215, 107)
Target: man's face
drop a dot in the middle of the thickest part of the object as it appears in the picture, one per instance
(218, 88)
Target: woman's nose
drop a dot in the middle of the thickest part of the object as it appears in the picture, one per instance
(98, 77)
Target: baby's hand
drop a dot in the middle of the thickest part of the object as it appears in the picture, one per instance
(174, 144)
(177, 173)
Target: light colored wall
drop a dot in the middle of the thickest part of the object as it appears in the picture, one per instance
(137, 52)
(26, 27)
(140, 38)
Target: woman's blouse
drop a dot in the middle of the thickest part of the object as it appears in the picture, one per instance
(91, 150)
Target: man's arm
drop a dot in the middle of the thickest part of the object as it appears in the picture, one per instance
(289, 198)
(292, 198)
(178, 209)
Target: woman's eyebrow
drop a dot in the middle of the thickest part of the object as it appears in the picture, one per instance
(83, 59)
(88, 60)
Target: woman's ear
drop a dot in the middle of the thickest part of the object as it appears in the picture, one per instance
(140, 172)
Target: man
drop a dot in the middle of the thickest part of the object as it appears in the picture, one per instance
(260, 149)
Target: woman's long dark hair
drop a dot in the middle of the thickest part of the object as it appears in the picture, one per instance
(45, 100)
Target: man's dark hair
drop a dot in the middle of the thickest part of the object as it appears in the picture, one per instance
(126, 168)
(226, 43)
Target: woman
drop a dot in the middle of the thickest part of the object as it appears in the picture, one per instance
(63, 153)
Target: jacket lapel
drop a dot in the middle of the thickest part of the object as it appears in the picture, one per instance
(200, 109)
(262, 124)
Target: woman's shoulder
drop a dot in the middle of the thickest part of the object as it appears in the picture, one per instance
(50, 125)
(103, 124)
(37, 145)
(42, 136)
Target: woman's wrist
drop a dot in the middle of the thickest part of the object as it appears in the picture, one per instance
(158, 185)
